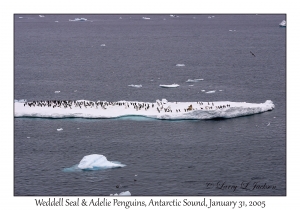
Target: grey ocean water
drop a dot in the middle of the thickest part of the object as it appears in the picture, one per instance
(188, 157)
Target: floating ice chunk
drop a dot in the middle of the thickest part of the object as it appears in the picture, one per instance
(174, 16)
(213, 16)
(125, 193)
(28, 137)
(170, 86)
(78, 19)
(180, 64)
(57, 91)
(120, 17)
(146, 18)
(96, 161)
(268, 124)
(282, 24)
(191, 85)
(193, 80)
(220, 90)
(56, 21)
(41, 16)
(20, 17)
(208, 17)
(59, 129)
(102, 45)
(136, 86)
(202, 90)
(212, 91)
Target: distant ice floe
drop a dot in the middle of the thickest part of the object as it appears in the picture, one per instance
(146, 18)
(282, 24)
(78, 19)
(102, 45)
(41, 16)
(136, 86)
(174, 16)
(56, 21)
(194, 80)
(126, 193)
(20, 17)
(180, 64)
(212, 91)
(59, 129)
(170, 86)
(191, 85)
(232, 30)
(220, 90)
(202, 90)
(57, 91)
(120, 17)
(208, 17)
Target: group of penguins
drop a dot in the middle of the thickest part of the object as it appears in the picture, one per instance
(105, 104)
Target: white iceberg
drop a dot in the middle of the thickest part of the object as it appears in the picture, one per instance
(146, 18)
(57, 91)
(282, 23)
(170, 86)
(96, 161)
(194, 80)
(126, 193)
(212, 91)
(180, 64)
(59, 129)
(78, 19)
(136, 86)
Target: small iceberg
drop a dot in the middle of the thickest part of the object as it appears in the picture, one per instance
(95, 161)
(41, 16)
(136, 86)
(57, 91)
(146, 18)
(102, 45)
(78, 19)
(20, 17)
(127, 193)
(170, 86)
(208, 17)
(59, 129)
(174, 16)
(120, 17)
(212, 91)
(194, 80)
(180, 65)
(282, 24)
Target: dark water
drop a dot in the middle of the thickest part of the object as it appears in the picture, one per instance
(169, 157)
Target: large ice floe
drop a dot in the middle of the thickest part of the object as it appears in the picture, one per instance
(157, 110)
(94, 162)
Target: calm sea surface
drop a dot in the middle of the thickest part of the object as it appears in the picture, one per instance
(188, 157)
